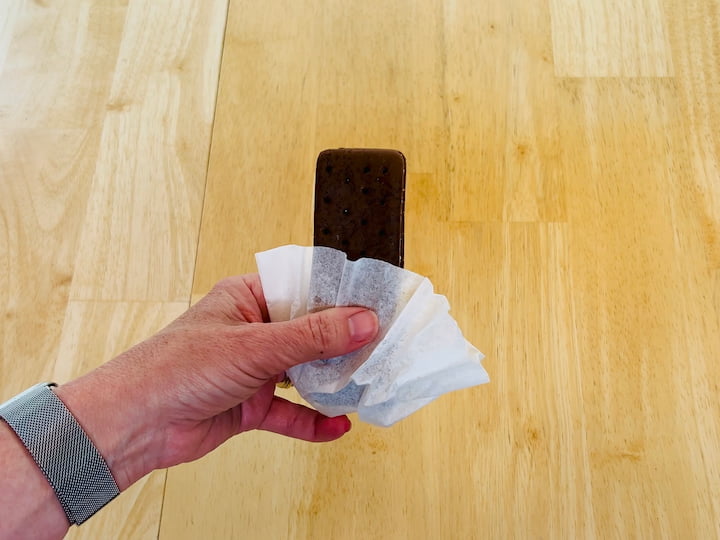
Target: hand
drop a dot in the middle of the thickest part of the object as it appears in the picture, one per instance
(210, 375)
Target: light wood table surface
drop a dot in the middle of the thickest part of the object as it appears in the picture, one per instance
(563, 192)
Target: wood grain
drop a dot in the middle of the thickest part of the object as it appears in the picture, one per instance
(693, 28)
(10, 12)
(610, 38)
(147, 191)
(504, 105)
(562, 192)
(47, 158)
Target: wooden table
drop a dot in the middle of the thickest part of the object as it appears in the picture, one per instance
(563, 192)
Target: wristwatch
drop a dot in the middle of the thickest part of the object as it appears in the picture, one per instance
(68, 459)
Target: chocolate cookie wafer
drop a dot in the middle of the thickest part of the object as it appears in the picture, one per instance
(359, 203)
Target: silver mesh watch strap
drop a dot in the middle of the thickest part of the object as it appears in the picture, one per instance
(65, 454)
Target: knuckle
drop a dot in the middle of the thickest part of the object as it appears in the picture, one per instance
(250, 353)
(322, 331)
(222, 285)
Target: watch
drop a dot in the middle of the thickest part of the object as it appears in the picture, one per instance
(68, 459)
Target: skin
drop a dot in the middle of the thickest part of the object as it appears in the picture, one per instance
(173, 398)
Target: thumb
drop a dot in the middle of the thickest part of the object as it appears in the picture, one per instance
(324, 334)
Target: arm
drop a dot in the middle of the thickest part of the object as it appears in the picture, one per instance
(27, 502)
(208, 376)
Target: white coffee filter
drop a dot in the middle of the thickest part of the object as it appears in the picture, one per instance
(418, 355)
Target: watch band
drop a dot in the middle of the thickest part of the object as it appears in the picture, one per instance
(78, 474)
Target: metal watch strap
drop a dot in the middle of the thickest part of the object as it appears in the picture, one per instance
(65, 454)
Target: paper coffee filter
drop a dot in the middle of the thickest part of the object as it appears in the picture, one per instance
(415, 358)
(391, 351)
(285, 271)
(418, 355)
(397, 393)
(335, 281)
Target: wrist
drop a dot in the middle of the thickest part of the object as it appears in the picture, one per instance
(33, 510)
(114, 421)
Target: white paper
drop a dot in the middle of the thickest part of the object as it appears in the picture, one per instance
(418, 355)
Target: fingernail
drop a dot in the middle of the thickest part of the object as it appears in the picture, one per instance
(363, 326)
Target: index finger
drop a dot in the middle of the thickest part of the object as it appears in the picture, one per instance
(244, 289)
(301, 422)
(255, 285)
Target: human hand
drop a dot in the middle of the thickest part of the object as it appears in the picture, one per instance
(209, 375)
